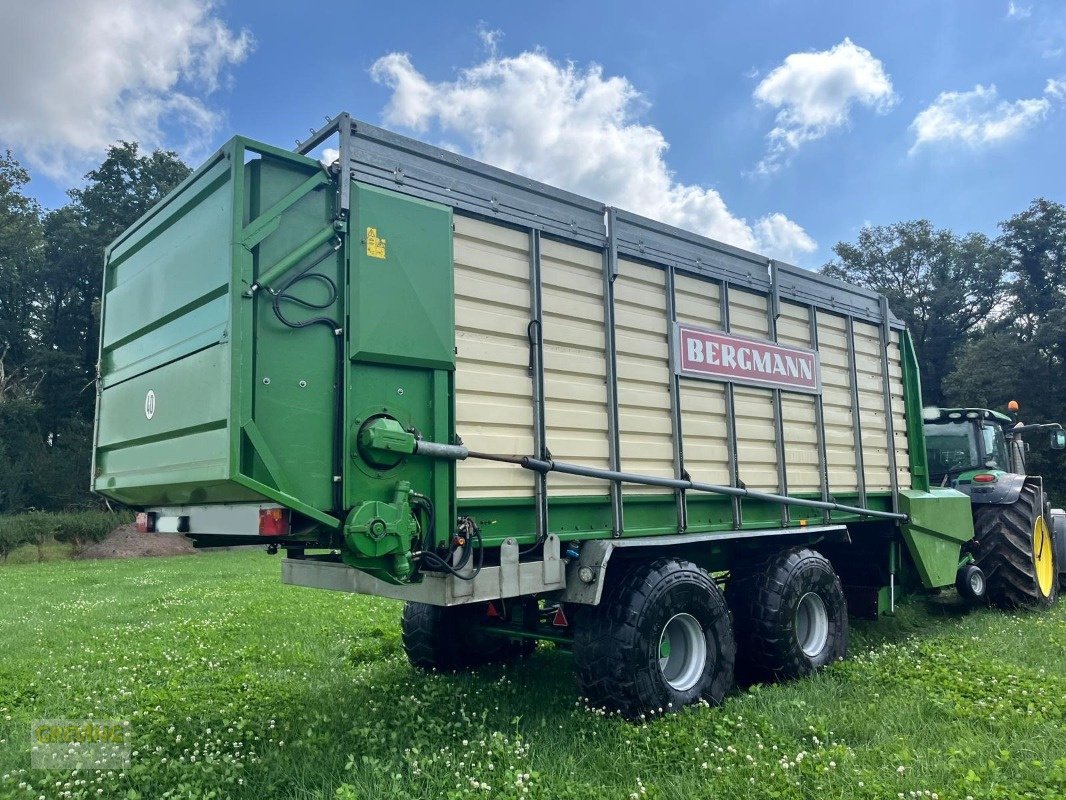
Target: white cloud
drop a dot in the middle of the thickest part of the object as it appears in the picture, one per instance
(814, 93)
(784, 237)
(1055, 89)
(574, 128)
(82, 74)
(979, 117)
(1015, 11)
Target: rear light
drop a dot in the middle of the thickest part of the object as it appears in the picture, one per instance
(984, 477)
(145, 522)
(273, 522)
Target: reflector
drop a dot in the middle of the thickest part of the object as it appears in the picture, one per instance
(273, 522)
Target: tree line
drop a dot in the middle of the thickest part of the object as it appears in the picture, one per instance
(987, 314)
(51, 269)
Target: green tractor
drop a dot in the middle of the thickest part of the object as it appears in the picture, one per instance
(1018, 538)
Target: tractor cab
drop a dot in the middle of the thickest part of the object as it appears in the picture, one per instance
(968, 446)
(964, 442)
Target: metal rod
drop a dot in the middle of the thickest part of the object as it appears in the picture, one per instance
(536, 345)
(610, 271)
(856, 420)
(819, 417)
(673, 483)
(518, 633)
(675, 398)
(773, 311)
(886, 345)
(730, 412)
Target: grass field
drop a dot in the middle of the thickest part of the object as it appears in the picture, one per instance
(238, 686)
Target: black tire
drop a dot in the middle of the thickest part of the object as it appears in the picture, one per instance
(447, 638)
(625, 648)
(971, 584)
(774, 603)
(1003, 547)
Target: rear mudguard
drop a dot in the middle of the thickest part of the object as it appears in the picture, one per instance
(1003, 492)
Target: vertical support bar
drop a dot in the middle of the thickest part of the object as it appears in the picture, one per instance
(730, 413)
(819, 419)
(886, 346)
(856, 420)
(912, 403)
(675, 400)
(344, 135)
(773, 311)
(610, 272)
(536, 368)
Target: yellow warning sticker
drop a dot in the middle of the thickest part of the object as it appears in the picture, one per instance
(375, 245)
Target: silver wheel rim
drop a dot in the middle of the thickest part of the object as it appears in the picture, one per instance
(977, 583)
(682, 652)
(812, 624)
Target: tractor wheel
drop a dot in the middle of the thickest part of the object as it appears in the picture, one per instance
(790, 614)
(660, 639)
(447, 638)
(1013, 547)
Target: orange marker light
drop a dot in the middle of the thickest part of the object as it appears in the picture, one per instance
(1013, 405)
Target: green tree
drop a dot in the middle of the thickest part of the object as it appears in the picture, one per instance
(943, 286)
(120, 190)
(1035, 241)
(21, 249)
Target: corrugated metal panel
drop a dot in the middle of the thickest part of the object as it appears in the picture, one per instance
(836, 401)
(575, 369)
(872, 407)
(493, 388)
(703, 418)
(899, 420)
(798, 410)
(643, 369)
(756, 448)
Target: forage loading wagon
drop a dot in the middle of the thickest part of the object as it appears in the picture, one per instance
(529, 415)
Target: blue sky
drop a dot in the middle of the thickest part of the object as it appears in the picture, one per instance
(882, 111)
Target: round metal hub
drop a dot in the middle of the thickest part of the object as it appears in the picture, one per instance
(812, 624)
(682, 652)
(977, 583)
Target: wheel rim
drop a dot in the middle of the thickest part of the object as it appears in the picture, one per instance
(812, 624)
(682, 652)
(977, 583)
(1043, 558)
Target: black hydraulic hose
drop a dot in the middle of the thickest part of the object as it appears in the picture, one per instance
(282, 295)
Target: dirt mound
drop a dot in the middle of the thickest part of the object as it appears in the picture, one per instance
(126, 542)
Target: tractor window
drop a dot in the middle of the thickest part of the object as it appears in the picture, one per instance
(952, 446)
(995, 445)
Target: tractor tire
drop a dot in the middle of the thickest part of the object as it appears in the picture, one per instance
(1013, 547)
(659, 640)
(790, 615)
(447, 639)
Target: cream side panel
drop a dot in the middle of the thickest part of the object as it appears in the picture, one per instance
(836, 403)
(756, 448)
(643, 361)
(493, 390)
(575, 370)
(798, 416)
(703, 425)
(868, 357)
(696, 301)
(899, 419)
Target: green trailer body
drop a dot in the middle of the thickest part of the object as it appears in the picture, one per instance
(215, 392)
(406, 349)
